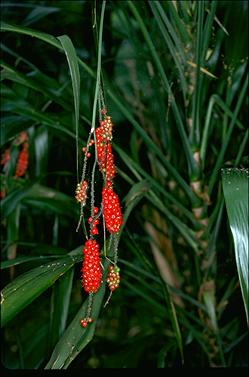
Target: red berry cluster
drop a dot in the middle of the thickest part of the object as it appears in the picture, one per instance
(113, 278)
(5, 156)
(21, 141)
(85, 321)
(104, 149)
(111, 210)
(22, 162)
(91, 268)
(80, 192)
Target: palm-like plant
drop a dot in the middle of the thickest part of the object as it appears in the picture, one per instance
(175, 82)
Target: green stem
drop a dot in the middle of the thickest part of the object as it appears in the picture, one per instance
(98, 69)
(241, 149)
(214, 100)
(195, 130)
(227, 138)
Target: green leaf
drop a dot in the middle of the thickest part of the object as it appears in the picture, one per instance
(60, 299)
(41, 150)
(54, 122)
(50, 39)
(228, 136)
(174, 320)
(75, 76)
(235, 188)
(39, 12)
(36, 80)
(26, 287)
(24, 259)
(38, 194)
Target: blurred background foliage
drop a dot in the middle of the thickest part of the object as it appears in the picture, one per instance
(175, 81)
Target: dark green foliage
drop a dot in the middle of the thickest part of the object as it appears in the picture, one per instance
(175, 80)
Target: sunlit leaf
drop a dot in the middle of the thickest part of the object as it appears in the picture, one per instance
(235, 187)
(26, 287)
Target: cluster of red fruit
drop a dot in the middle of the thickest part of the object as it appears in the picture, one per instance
(85, 321)
(5, 157)
(104, 149)
(91, 268)
(22, 161)
(111, 210)
(113, 278)
(80, 192)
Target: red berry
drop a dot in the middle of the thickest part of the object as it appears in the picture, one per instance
(83, 322)
(94, 230)
(95, 210)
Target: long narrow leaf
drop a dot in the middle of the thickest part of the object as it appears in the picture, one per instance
(28, 286)
(75, 76)
(235, 187)
(60, 299)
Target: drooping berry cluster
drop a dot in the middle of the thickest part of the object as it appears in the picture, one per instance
(104, 149)
(113, 278)
(85, 321)
(5, 157)
(91, 268)
(81, 192)
(22, 160)
(111, 210)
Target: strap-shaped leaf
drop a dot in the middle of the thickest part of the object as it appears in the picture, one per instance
(28, 286)
(75, 76)
(235, 187)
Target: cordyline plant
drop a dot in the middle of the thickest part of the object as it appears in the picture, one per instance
(167, 136)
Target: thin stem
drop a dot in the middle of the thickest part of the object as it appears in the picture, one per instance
(214, 100)
(227, 138)
(195, 130)
(241, 149)
(97, 87)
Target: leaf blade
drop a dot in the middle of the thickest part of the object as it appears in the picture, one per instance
(22, 291)
(235, 188)
(75, 77)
